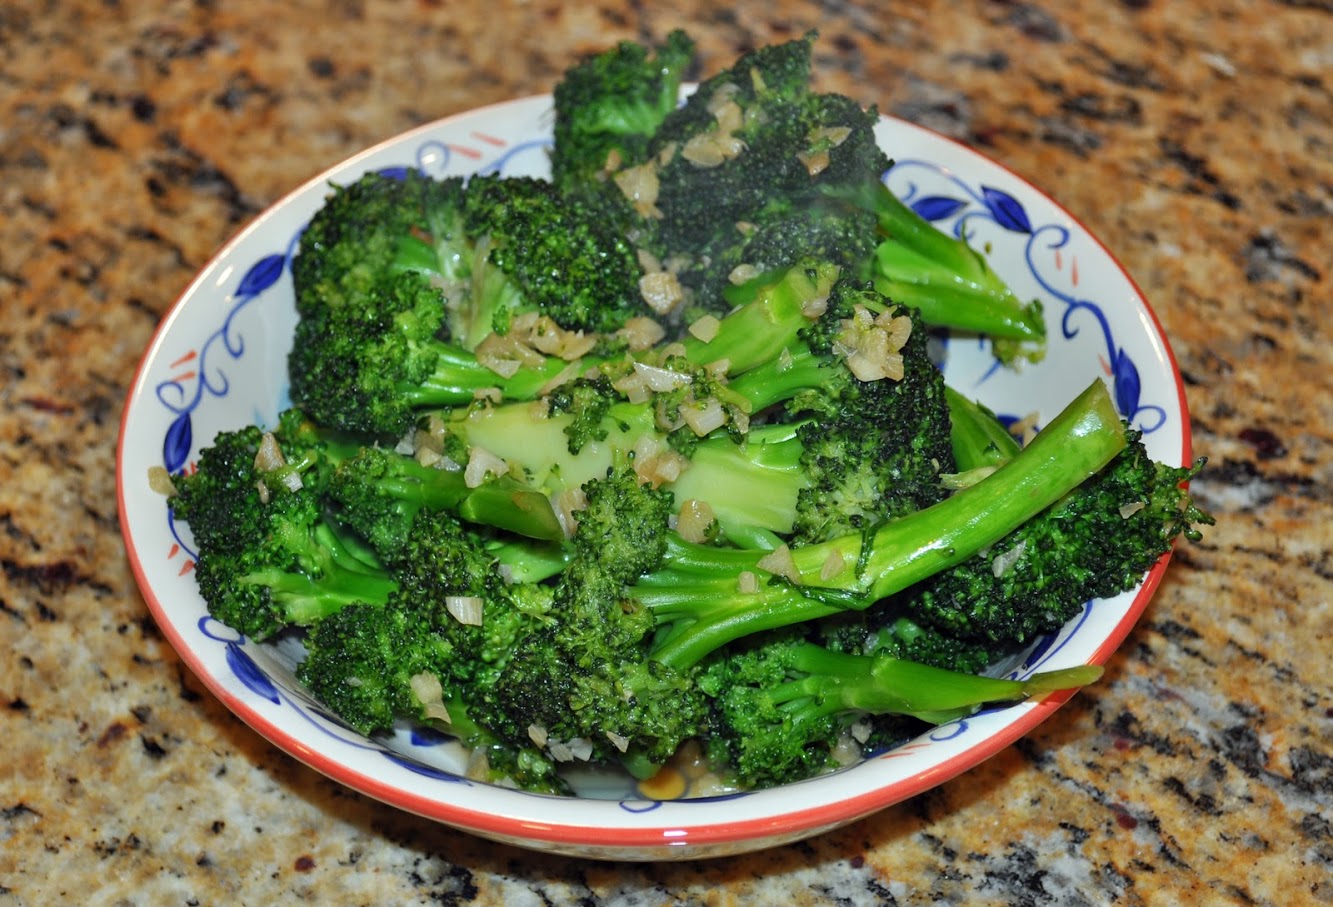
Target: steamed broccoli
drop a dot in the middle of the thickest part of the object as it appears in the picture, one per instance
(433, 647)
(782, 708)
(268, 555)
(380, 491)
(855, 427)
(580, 470)
(609, 105)
(443, 266)
(756, 169)
(611, 663)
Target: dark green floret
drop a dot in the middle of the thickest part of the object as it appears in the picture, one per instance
(269, 557)
(782, 707)
(399, 280)
(609, 105)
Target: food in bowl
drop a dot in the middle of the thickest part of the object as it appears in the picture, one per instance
(735, 501)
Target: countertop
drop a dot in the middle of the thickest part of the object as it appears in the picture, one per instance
(1194, 138)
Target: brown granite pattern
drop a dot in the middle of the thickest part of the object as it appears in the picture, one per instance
(1196, 138)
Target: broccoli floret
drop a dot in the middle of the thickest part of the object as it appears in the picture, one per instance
(872, 449)
(609, 105)
(739, 171)
(782, 707)
(584, 685)
(431, 653)
(446, 265)
(757, 169)
(554, 254)
(1095, 543)
(269, 557)
(381, 491)
(698, 597)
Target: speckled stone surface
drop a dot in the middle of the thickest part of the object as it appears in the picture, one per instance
(1196, 139)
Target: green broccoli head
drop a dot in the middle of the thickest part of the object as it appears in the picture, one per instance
(763, 736)
(361, 662)
(1095, 543)
(359, 366)
(379, 224)
(559, 255)
(609, 105)
(874, 449)
(268, 558)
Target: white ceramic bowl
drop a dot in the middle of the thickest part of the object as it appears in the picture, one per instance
(218, 361)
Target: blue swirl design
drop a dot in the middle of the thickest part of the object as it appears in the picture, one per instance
(987, 203)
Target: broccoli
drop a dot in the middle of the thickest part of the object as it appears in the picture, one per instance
(606, 659)
(269, 557)
(756, 169)
(782, 708)
(951, 282)
(380, 491)
(510, 506)
(979, 440)
(433, 647)
(587, 680)
(296, 522)
(609, 105)
(700, 596)
(1095, 543)
(563, 663)
(445, 265)
(856, 427)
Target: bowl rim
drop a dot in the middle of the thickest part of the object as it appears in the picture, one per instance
(522, 829)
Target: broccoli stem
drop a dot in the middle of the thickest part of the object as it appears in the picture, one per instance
(695, 598)
(919, 265)
(381, 492)
(838, 682)
(305, 599)
(979, 439)
(768, 319)
(458, 378)
(751, 486)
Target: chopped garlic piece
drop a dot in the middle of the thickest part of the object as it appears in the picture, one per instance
(695, 521)
(779, 562)
(832, 566)
(426, 687)
(480, 463)
(466, 609)
(705, 328)
(159, 481)
(661, 291)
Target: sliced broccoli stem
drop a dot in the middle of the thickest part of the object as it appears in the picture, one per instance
(458, 379)
(379, 484)
(305, 599)
(750, 486)
(696, 597)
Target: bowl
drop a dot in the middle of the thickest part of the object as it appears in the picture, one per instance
(218, 362)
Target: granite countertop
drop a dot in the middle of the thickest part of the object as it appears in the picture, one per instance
(1196, 139)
